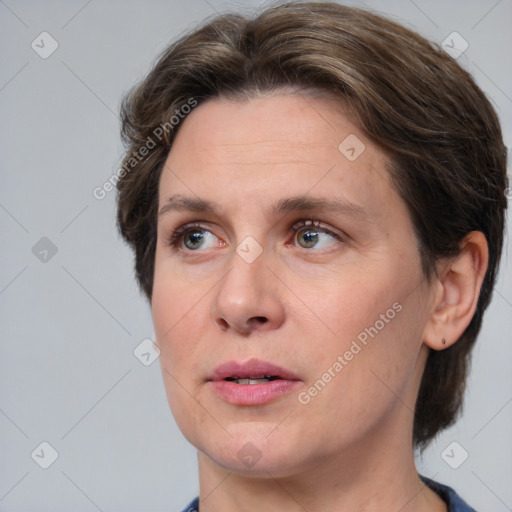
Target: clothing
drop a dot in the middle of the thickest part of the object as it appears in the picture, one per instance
(193, 506)
(453, 500)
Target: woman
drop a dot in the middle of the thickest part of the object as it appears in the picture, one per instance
(315, 198)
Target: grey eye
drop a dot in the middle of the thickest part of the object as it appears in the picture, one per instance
(310, 237)
(198, 239)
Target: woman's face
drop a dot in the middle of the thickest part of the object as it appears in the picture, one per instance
(295, 260)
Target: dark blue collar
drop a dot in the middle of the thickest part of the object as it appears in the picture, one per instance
(453, 500)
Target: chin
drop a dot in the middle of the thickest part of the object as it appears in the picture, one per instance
(251, 451)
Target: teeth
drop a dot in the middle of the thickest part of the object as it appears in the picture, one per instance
(257, 379)
(252, 381)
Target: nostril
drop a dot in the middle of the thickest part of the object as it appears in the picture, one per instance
(223, 323)
(259, 319)
(254, 322)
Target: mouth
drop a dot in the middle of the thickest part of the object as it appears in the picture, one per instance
(244, 381)
(253, 371)
(252, 382)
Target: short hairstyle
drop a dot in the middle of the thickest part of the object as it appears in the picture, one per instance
(443, 138)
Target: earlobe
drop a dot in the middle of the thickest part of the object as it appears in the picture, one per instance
(455, 292)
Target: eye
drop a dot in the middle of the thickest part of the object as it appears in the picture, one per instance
(307, 234)
(310, 235)
(193, 238)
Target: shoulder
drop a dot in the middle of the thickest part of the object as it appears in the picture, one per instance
(453, 500)
(193, 506)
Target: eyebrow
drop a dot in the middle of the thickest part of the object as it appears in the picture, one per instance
(179, 202)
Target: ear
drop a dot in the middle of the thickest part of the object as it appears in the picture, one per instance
(455, 292)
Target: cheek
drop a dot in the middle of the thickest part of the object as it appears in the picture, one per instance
(177, 310)
(373, 323)
(356, 382)
(178, 315)
(348, 302)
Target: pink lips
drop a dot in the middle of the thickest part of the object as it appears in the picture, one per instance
(251, 394)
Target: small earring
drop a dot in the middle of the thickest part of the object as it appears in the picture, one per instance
(444, 341)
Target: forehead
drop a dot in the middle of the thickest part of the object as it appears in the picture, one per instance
(238, 153)
(270, 128)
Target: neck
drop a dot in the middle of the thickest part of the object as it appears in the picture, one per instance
(375, 474)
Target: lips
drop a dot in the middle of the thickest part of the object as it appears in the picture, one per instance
(253, 369)
(253, 382)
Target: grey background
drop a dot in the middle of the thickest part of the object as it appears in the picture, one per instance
(70, 324)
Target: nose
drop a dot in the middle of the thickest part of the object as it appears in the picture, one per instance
(247, 299)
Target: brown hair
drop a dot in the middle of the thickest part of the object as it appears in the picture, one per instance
(406, 94)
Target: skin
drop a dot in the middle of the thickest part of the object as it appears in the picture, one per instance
(350, 446)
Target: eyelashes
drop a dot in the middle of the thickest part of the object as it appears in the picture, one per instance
(315, 235)
(177, 234)
(177, 237)
(195, 237)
